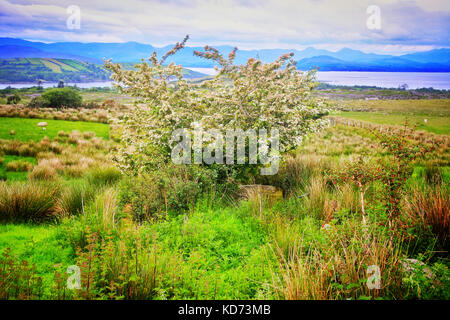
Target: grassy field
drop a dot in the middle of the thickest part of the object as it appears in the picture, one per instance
(428, 115)
(27, 129)
(438, 107)
(435, 124)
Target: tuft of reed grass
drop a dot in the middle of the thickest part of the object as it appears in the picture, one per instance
(43, 172)
(73, 199)
(107, 206)
(27, 202)
(430, 207)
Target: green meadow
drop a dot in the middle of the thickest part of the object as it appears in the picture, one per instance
(27, 129)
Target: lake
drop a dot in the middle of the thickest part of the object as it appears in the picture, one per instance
(414, 80)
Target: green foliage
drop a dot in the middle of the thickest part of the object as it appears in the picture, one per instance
(422, 281)
(35, 253)
(38, 102)
(62, 97)
(18, 279)
(172, 189)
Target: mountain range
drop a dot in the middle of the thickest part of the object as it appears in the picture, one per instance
(346, 59)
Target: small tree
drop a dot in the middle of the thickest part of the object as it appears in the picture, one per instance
(251, 96)
(62, 97)
(399, 167)
(361, 174)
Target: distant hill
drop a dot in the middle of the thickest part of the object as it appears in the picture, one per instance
(437, 56)
(33, 69)
(343, 60)
(20, 51)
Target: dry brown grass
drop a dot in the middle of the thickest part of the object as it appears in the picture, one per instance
(430, 207)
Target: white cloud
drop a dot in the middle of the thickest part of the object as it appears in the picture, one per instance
(245, 23)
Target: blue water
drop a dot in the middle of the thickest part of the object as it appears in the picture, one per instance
(414, 80)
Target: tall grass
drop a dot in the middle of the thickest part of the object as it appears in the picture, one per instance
(430, 207)
(27, 202)
(103, 176)
(73, 199)
(107, 207)
(337, 267)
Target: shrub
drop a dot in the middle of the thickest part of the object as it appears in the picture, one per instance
(13, 99)
(62, 97)
(27, 202)
(91, 105)
(172, 189)
(63, 134)
(395, 172)
(88, 135)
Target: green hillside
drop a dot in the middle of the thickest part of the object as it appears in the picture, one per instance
(32, 69)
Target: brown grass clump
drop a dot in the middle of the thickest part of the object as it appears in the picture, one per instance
(431, 208)
(43, 172)
(88, 135)
(27, 202)
(74, 137)
(19, 166)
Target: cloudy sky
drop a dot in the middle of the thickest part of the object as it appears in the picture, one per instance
(406, 25)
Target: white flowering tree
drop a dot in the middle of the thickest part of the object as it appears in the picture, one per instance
(252, 96)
